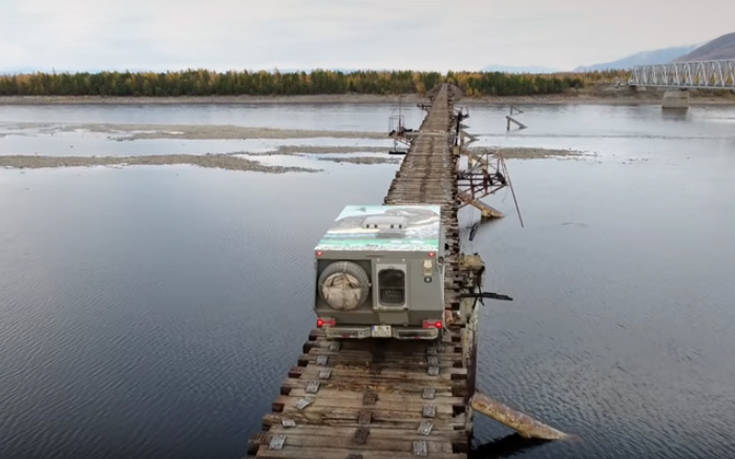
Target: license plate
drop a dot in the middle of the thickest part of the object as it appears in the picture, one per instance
(382, 331)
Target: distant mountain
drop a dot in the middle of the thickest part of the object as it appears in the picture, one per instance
(28, 70)
(720, 48)
(656, 56)
(518, 69)
(16, 70)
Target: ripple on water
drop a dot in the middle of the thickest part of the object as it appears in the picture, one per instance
(150, 312)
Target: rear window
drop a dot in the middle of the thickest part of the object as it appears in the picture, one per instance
(392, 286)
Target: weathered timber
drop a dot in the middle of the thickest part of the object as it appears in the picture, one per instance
(389, 399)
(525, 425)
(510, 119)
(487, 211)
(361, 399)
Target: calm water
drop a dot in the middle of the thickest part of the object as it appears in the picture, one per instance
(153, 311)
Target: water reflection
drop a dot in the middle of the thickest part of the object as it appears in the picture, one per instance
(508, 446)
(153, 311)
(675, 114)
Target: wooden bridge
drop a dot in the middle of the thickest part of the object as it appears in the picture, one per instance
(361, 399)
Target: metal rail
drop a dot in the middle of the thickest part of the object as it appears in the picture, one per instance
(716, 74)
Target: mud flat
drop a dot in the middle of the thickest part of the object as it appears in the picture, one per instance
(363, 160)
(506, 152)
(235, 161)
(316, 149)
(218, 161)
(129, 131)
(532, 153)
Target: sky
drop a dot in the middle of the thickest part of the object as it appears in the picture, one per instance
(76, 35)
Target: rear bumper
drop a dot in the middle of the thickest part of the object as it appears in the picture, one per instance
(362, 332)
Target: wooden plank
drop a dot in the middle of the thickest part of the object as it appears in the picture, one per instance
(368, 398)
(366, 354)
(372, 443)
(274, 419)
(522, 423)
(455, 388)
(445, 376)
(415, 372)
(325, 453)
(385, 390)
(441, 397)
(408, 409)
(410, 433)
(343, 415)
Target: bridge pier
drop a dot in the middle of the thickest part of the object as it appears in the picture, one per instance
(677, 99)
(677, 76)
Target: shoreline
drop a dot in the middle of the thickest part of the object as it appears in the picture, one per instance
(615, 98)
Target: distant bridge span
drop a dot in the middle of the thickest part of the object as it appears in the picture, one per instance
(718, 74)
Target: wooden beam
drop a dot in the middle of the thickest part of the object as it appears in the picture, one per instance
(522, 423)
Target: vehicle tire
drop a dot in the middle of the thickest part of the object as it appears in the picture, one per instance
(344, 285)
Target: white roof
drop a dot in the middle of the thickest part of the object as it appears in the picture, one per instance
(407, 228)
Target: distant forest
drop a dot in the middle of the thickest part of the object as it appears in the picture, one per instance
(208, 83)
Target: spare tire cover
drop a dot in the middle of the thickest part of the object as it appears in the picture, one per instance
(344, 285)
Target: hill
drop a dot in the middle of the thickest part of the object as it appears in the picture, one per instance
(720, 48)
(656, 56)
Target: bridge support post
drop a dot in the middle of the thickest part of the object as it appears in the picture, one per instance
(675, 99)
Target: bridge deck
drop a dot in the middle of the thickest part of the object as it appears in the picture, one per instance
(387, 398)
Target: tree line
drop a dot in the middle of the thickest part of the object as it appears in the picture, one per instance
(207, 83)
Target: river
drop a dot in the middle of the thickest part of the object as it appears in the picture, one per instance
(152, 311)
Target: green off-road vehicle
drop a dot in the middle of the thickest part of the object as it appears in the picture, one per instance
(380, 273)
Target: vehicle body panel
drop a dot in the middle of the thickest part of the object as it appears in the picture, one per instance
(401, 249)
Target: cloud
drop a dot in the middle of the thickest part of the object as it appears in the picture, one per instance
(227, 34)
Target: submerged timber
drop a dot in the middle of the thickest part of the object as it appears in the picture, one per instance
(354, 399)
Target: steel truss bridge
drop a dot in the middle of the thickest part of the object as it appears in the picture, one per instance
(717, 74)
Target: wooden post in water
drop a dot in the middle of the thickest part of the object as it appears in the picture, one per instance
(513, 120)
(509, 118)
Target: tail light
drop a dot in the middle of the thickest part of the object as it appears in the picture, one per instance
(325, 322)
(433, 324)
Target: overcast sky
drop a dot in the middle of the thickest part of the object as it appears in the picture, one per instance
(392, 34)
